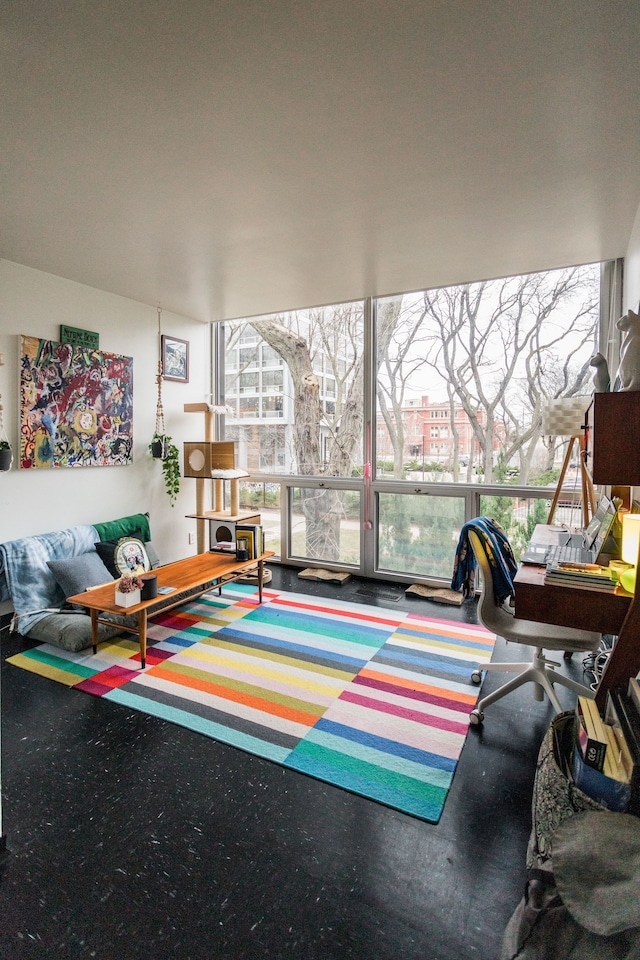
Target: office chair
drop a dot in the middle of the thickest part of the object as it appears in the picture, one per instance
(541, 636)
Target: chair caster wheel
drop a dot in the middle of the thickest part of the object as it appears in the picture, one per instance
(476, 717)
(476, 677)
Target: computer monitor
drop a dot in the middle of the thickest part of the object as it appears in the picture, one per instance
(604, 511)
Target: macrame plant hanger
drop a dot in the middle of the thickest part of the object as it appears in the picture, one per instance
(158, 445)
(6, 455)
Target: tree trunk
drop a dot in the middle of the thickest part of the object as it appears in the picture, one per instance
(322, 509)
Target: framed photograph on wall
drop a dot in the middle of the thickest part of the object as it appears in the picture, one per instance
(175, 359)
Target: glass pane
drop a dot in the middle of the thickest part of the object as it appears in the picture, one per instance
(465, 371)
(248, 383)
(325, 525)
(418, 535)
(272, 381)
(518, 516)
(313, 388)
(272, 407)
(262, 443)
(264, 498)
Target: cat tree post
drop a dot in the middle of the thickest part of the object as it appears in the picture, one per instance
(200, 481)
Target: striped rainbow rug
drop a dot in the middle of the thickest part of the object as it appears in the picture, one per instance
(372, 700)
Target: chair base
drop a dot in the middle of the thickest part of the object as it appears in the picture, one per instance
(540, 671)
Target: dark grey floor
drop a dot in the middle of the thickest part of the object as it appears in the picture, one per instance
(128, 837)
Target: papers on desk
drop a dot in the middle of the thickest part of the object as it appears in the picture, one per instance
(581, 576)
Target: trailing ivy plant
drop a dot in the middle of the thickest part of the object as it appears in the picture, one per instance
(170, 465)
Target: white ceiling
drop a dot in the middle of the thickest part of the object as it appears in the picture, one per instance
(232, 157)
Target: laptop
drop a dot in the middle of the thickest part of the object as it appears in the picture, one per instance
(582, 547)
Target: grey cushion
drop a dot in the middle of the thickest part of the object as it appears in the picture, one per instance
(71, 631)
(154, 559)
(77, 574)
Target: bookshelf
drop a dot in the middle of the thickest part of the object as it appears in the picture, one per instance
(615, 442)
(222, 525)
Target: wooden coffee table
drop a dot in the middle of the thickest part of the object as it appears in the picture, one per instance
(200, 573)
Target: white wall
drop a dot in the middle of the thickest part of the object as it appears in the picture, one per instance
(632, 268)
(38, 501)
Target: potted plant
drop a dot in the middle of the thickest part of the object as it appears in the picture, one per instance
(128, 589)
(6, 455)
(170, 464)
(157, 447)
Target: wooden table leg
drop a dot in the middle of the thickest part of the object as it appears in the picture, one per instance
(142, 636)
(94, 629)
(260, 579)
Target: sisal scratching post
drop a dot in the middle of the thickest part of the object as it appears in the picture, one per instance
(235, 497)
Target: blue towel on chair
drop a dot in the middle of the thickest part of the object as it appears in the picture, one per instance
(499, 553)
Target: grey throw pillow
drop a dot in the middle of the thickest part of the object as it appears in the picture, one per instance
(70, 631)
(77, 574)
(154, 559)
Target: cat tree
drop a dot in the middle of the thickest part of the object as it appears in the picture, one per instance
(215, 460)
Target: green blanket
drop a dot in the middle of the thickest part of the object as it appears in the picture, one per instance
(137, 523)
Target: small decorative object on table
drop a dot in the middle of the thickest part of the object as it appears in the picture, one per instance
(242, 548)
(128, 589)
(149, 586)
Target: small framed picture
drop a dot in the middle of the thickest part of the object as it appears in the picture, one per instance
(175, 359)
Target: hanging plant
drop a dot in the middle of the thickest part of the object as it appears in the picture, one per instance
(170, 464)
(161, 448)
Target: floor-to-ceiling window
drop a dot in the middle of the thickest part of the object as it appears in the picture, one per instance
(372, 429)
(294, 386)
(463, 375)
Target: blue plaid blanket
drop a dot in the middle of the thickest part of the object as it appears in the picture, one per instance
(500, 555)
(25, 577)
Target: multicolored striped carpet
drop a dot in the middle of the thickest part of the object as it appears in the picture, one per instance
(372, 700)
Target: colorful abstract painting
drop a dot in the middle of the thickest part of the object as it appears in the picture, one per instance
(76, 406)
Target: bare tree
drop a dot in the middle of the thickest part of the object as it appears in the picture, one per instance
(399, 359)
(501, 348)
(336, 334)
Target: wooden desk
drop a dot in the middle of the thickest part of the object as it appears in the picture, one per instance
(567, 606)
(613, 613)
(203, 572)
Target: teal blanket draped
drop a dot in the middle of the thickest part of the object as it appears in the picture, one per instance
(499, 553)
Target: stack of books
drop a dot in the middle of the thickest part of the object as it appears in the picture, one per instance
(582, 576)
(254, 537)
(606, 756)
